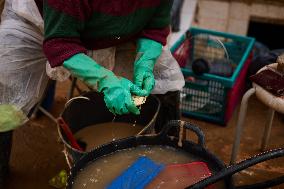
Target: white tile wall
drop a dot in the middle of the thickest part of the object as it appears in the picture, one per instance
(238, 26)
(239, 10)
(214, 9)
(234, 16)
(258, 9)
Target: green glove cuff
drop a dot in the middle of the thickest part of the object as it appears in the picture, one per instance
(11, 117)
(148, 52)
(86, 69)
(150, 47)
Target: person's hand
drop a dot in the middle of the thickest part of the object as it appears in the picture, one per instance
(148, 52)
(144, 77)
(117, 96)
(117, 92)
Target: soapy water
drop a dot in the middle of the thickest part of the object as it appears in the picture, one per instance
(98, 134)
(101, 172)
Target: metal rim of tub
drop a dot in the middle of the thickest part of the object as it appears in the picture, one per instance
(89, 96)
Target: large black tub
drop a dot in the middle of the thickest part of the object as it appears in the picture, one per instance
(220, 172)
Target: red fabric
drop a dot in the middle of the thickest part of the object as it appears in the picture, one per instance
(59, 49)
(159, 35)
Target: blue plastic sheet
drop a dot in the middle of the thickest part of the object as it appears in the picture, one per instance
(138, 175)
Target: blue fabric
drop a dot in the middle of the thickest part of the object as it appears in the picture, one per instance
(138, 175)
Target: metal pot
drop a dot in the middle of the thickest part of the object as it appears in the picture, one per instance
(89, 109)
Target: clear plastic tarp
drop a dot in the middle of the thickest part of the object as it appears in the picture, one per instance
(22, 62)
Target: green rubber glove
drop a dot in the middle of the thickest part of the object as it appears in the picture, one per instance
(117, 92)
(148, 52)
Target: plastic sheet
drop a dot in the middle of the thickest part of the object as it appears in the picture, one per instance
(22, 62)
(138, 175)
(167, 74)
(58, 73)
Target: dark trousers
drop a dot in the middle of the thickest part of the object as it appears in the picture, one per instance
(175, 15)
(169, 110)
(5, 151)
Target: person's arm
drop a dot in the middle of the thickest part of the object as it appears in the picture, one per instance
(63, 22)
(149, 46)
(117, 92)
(158, 28)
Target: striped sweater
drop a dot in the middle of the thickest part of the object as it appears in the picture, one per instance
(75, 26)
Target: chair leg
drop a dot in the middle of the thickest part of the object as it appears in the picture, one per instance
(267, 129)
(49, 115)
(241, 118)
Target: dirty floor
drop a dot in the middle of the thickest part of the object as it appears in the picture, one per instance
(37, 152)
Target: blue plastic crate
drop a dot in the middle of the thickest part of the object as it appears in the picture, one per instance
(211, 97)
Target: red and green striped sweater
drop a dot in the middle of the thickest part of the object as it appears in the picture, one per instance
(75, 26)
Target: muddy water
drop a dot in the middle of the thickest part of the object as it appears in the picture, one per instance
(99, 134)
(101, 172)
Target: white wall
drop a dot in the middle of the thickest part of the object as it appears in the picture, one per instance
(233, 16)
